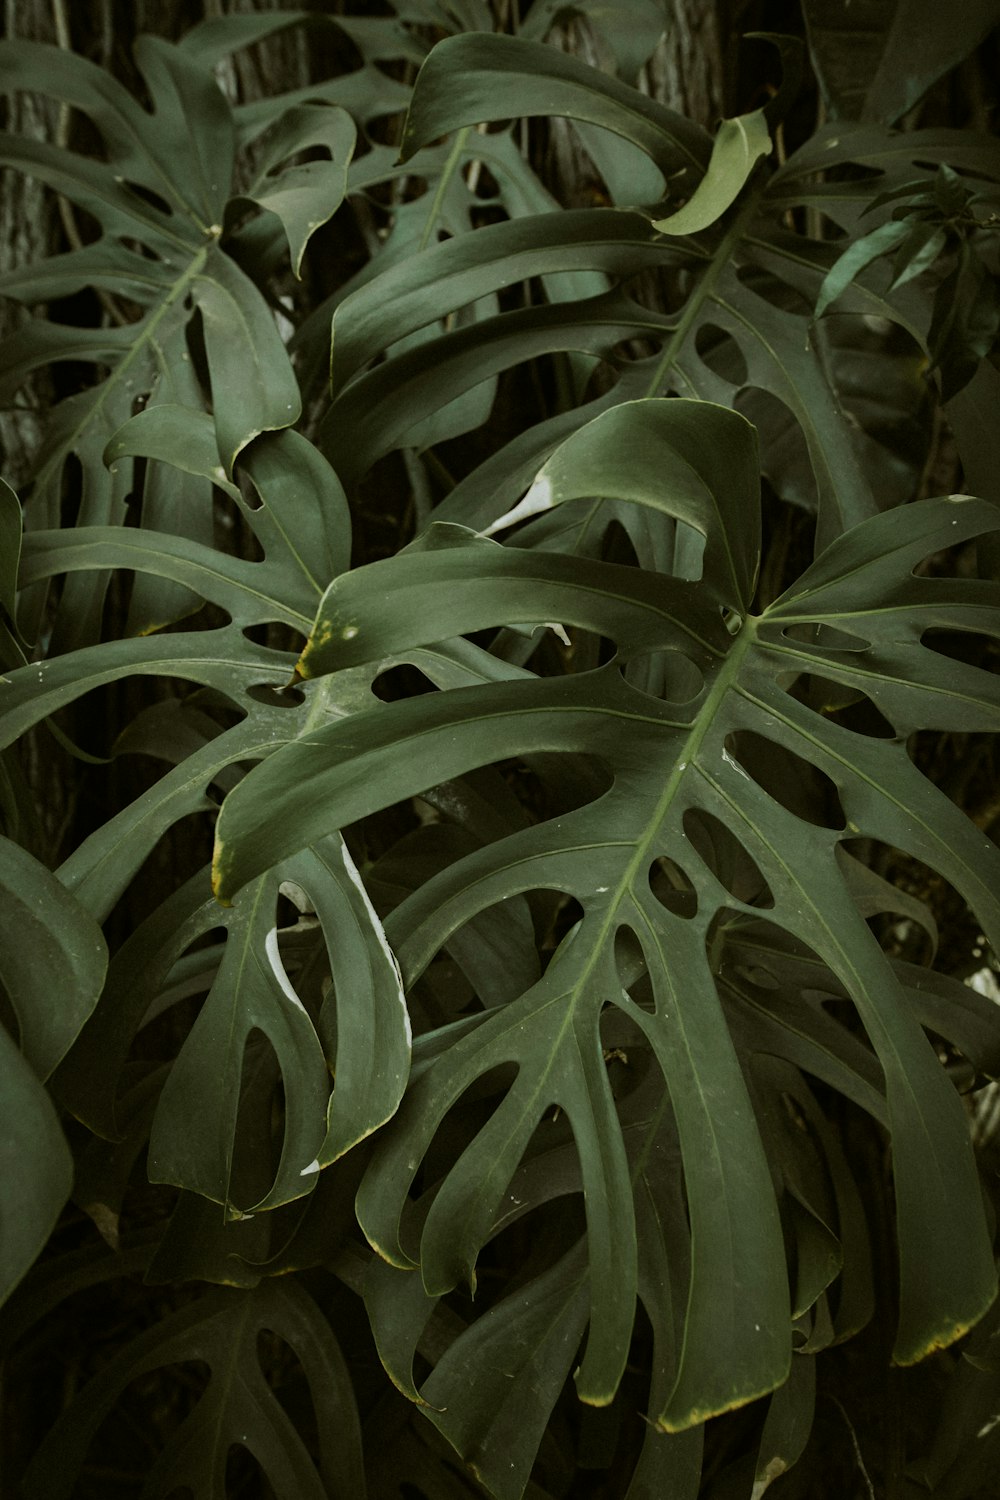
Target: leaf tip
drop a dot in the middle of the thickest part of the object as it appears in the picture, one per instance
(219, 890)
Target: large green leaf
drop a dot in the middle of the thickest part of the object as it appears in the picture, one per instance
(160, 199)
(363, 1027)
(679, 767)
(742, 332)
(283, 1006)
(227, 1330)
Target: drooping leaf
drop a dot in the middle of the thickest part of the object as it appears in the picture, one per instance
(468, 79)
(303, 197)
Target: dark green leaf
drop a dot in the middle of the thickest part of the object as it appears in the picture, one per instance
(36, 1169)
(52, 957)
(468, 79)
(738, 146)
(224, 1328)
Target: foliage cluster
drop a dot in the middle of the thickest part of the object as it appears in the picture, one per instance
(558, 1078)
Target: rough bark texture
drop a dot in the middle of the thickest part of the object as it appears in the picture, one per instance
(28, 228)
(686, 71)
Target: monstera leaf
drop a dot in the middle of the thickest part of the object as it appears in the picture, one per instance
(745, 287)
(253, 1028)
(162, 197)
(229, 1332)
(696, 827)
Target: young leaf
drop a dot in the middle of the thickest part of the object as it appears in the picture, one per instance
(738, 146)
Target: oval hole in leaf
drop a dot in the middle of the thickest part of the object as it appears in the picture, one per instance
(794, 782)
(633, 974)
(482, 215)
(149, 197)
(181, 995)
(485, 184)
(568, 913)
(244, 1475)
(496, 951)
(633, 351)
(842, 705)
(733, 867)
(829, 637)
(284, 1373)
(721, 353)
(158, 1400)
(672, 887)
(972, 647)
(774, 291)
(757, 977)
(473, 1109)
(401, 682)
(784, 454)
(260, 1122)
(906, 904)
(276, 697)
(137, 248)
(667, 676)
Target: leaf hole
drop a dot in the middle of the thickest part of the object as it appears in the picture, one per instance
(792, 781)
(672, 887)
(496, 951)
(772, 290)
(259, 1128)
(784, 455)
(732, 865)
(566, 916)
(720, 352)
(667, 676)
(147, 1414)
(907, 904)
(957, 561)
(484, 184)
(972, 648)
(148, 196)
(483, 214)
(286, 1376)
(827, 637)
(462, 1122)
(244, 1475)
(136, 247)
(401, 682)
(757, 977)
(276, 697)
(843, 705)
